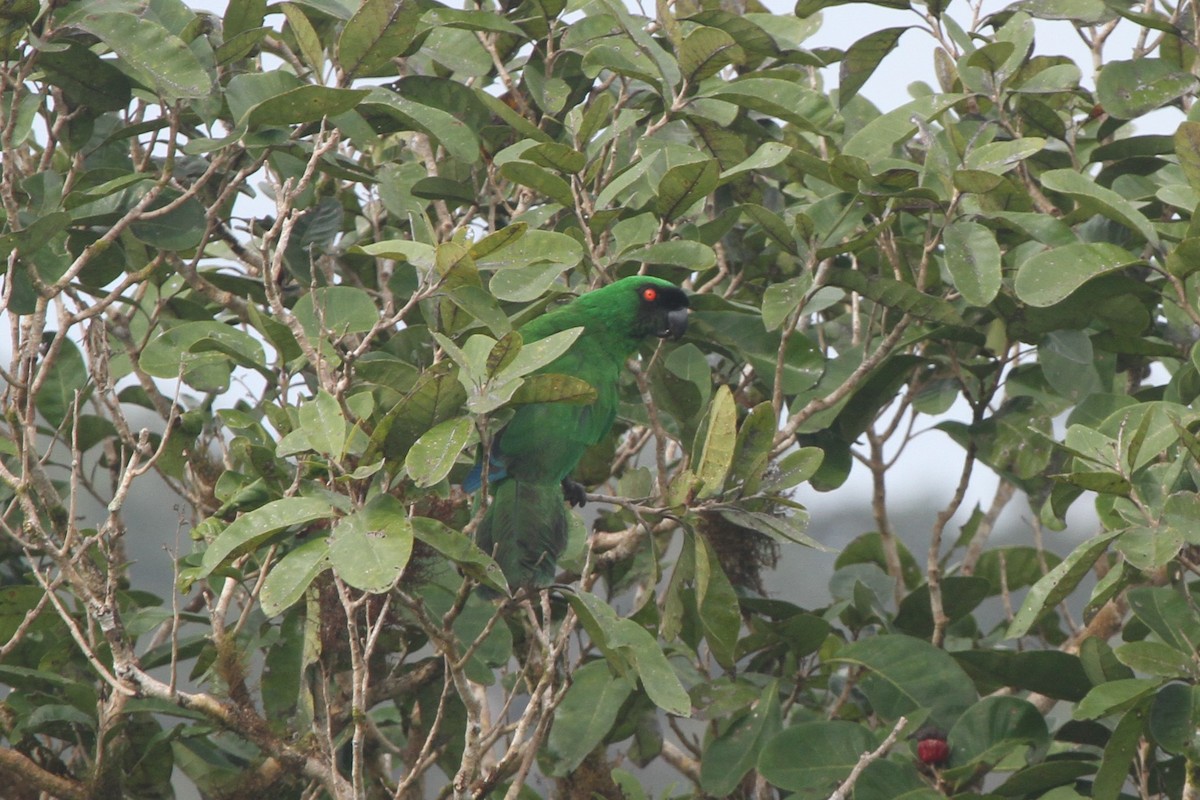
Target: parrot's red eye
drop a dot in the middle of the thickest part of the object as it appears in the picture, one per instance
(649, 295)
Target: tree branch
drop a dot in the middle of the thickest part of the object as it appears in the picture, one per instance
(843, 791)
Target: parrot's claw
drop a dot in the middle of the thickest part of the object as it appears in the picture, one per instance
(574, 493)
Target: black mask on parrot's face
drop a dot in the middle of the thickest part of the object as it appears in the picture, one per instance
(664, 309)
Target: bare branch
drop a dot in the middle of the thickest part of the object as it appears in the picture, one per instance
(847, 786)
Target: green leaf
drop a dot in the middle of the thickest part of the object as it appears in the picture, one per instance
(434, 454)
(442, 17)
(202, 352)
(336, 310)
(806, 8)
(692, 256)
(781, 299)
(323, 424)
(991, 729)
(242, 15)
(625, 642)
(890, 780)
(907, 674)
(461, 550)
(525, 283)
(534, 247)
(551, 387)
(61, 380)
(255, 527)
(248, 90)
(1091, 195)
(1154, 658)
(291, 576)
(540, 180)
(862, 59)
(151, 50)
(621, 57)
(1175, 718)
(877, 138)
(717, 454)
(555, 156)
(416, 253)
(755, 438)
(773, 226)
(961, 594)
(735, 750)
(370, 549)
(503, 352)
(1059, 582)
(379, 31)
(795, 468)
(437, 396)
(453, 134)
(46, 717)
(304, 104)
(683, 185)
(717, 603)
(87, 79)
(1149, 548)
(1084, 12)
(1049, 672)
(658, 678)
(784, 99)
(1119, 755)
(1184, 259)
(706, 51)
(1052, 275)
(1129, 89)
(1187, 150)
(635, 29)
(1053, 780)
(1067, 359)
(283, 683)
(768, 155)
(600, 622)
(813, 757)
(308, 41)
(586, 714)
(973, 258)
(781, 529)
(494, 241)
(540, 353)
(33, 238)
(894, 294)
(991, 56)
(437, 188)
(180, 229)
(1115, 697)
(998, 158)
(1168, 614)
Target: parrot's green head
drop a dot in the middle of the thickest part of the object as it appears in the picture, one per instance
(618, 317)
(643, 306)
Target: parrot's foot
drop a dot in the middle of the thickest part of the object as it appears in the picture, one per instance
(574, 493)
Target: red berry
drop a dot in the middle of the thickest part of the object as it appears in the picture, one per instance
(933, 751)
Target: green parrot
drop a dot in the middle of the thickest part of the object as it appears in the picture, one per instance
(532, 457)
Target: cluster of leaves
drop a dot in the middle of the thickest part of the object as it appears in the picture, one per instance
(312, 367)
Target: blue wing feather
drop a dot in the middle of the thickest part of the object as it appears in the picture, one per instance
(474, 480)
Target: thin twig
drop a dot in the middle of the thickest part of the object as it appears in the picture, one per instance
(843, 791)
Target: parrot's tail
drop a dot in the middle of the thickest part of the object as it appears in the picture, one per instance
(525, 530)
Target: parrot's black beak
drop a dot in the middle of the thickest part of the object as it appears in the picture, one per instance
(677, 321)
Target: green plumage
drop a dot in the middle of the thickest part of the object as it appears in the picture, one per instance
(525, 527)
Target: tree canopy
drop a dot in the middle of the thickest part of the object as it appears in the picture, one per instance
(267, 265)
